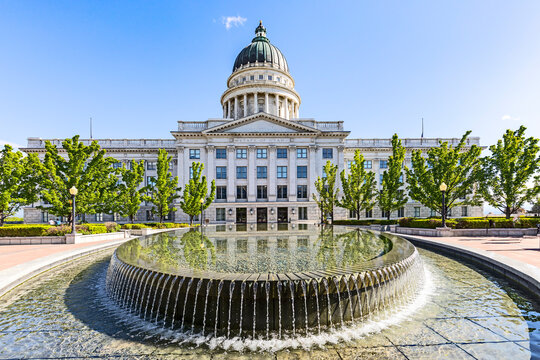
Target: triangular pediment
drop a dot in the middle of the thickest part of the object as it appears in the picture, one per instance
(261, 123)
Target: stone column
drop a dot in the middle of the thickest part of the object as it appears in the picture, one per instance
(266, 107)
(313, 170)
(277, 105)
(245, 105)
(229, 109)
(272, 173)
(255, 103)
(231, 188)
(236, 107)
(341, 166)
(251, 173)
(181, 170)
(209, 166)
(292, 173)
(286, 105)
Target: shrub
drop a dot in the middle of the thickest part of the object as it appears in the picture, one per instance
(112, 226)
(24, 230)
(365, 222)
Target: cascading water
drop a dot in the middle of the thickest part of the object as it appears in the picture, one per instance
(268, 305)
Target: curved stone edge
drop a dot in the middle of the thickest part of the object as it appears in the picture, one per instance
(14, 276)
(525, 275)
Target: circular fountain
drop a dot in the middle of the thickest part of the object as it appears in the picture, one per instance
(263, 282)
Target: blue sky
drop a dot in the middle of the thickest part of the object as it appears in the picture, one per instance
(137, 67)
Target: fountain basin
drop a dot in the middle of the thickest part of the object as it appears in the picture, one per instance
(263, 283)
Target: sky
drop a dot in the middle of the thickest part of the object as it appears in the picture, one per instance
(137, 67)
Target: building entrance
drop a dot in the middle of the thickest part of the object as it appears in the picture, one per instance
(262, 215)
(282, 215)
(241, 215)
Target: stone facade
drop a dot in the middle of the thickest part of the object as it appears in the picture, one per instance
(262, 155)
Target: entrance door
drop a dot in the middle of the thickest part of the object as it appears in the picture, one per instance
(241, 215)
(282, 215)
(262, 215)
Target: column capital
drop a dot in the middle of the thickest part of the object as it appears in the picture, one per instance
(313, 147)
(292, 147)
(341, 147)
(251, 148)
(210, 148)
(231, 148)
(272, 147)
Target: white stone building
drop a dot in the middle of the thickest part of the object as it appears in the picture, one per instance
(263, 156)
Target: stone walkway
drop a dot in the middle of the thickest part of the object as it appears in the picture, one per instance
(525, 249)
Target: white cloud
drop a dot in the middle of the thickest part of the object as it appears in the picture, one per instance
(509, 118)
(15, 146)
(231, 21)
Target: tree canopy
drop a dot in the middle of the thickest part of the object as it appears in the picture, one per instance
(130, 193)
(392, 195)
(163, 189)
(327, 191)
(195, 191)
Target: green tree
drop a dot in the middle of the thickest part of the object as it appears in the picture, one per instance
(510, 174)
(82, 166)
(326, 196)
(195, 191)
(18, 175)
(130, 193)
(392, 195)
(535, 209)
(163, 190)
(358, 188)
(457, 167)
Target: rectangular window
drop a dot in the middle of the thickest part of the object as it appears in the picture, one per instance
(117, 165)
(191, 172)
(383, 164)
(252, 77)
(99, 217)
(241, 153)
(301, 153)
(281, 153)
(449, 212)
(282, 172)
(241, 172)
(44, 217)
(149, 215)
(349, 164)
(401, 178)
(302, 213)
(261, 154)
(261, 172)
(385, 214)
(301, 192)
(401, 212)
(221, 192)
(221, 172)
(381, 178)
(220, 214)
(261, 77)
(464, 212)
(432, 213)
(301, 172)
(327, 153)
(368, 164)
(269, 77)
(150, 165)
(369, 213)
(417, 211)
(221, 153)
(241, 192)
(282, 192)
(352, 214)
(150, 180)
(262, 192)
(194, 153)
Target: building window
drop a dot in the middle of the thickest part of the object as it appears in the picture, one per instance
(401, 212)
(327, 153)
(301, 172)
(301, 153)
(252, 77)
(401, 178)
(194, 153)
(368, 164)
(241, 192)
(220, 214)
(432, 213)
(149, 215)
(261, 153)
(383, 164)
(261, 77)
(352, 214)
(150, 180)
(150, 165)
(417, 211)
(117, 165)
(302, 213)
(241, 172)
(281, 153)
(385, 214)
(282, 172)
(349, 164)
(381, 178)
(262, 192)
(449, 212)
(464, 212)
(191, 172)
(241, 153)
(261, 172)
(269, 77)
(221, 153)
(244, 79)
(369, 213)
(99, 216)
(278, 79)
(221, 192)
(221, 172)
(301, 192)
(282, 192)
(44, 217)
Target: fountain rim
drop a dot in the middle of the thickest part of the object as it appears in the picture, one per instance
(370, 265)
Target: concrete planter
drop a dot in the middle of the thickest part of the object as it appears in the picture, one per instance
(448, 232)
(68, 239)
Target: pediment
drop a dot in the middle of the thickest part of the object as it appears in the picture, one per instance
(260, 123)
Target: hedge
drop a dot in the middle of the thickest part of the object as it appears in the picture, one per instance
(365, 222)
(48, 230)
(470, 223)
(24, 230)
(154, 225)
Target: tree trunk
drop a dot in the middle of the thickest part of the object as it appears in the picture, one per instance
(357, 212)
(191, 220)
(131, 218)
(388, 216)
(507, 212)
(2, 218)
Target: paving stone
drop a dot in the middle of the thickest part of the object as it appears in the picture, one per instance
(462, 331)
(413, 334)
(490, 351)
(374, 353)
(446, 351)
(512, 328)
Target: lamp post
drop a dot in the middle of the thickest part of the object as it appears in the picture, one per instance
(443, 188)
(202, 203)
(73, 191)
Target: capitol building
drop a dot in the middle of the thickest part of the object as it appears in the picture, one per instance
(263, 156)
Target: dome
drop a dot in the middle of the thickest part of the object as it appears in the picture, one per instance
(260, 50)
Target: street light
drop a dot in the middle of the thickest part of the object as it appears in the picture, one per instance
(73, 191)
(202, 202)
(443, 188)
